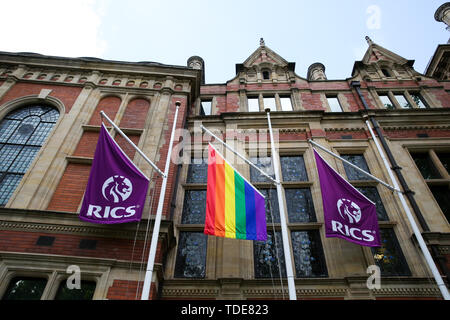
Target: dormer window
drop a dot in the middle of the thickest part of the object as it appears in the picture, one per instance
(266, 74)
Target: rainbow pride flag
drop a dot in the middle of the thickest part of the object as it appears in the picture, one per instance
(234, 208)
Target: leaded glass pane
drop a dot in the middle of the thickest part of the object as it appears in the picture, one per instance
(25, 288)
(265, 164)
(425, 166)
(300, 206)
(197, 172)
(360, 162)
(22, 161)
(272, 208)
(308, 254)
(86, 291)
(8, 183)
(389, 257)
(293, 168)
(41, 133)
(22, 133)
(191, 255)
(269, 257)
(194, 207)
(7, 127)
(7, 155)
(24, 130)
(442, 196)
(372, 194)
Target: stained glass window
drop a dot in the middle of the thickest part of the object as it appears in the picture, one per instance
(194, 207)
(308, 254)
(389, 257)
(300, 205)
(372, 194)
(191, 255)
(265, 164)
(86, 291)
(272, 208)
(293, 168)
(359, 161)
(25, 288)
(197, 171)
(22, 133)
(269, 257)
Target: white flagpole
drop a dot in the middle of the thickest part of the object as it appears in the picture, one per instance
(151, 257)
(423, 246)
(132, 144)
(284, 232)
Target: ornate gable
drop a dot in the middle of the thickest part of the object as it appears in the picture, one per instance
(380, 63)
(265, 65)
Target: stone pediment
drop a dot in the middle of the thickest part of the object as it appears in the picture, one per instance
(380, 63)
(376, 53)
(265, 64)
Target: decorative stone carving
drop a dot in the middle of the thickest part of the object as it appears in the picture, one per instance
(316, 71)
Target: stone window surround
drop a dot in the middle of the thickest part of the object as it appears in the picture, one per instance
(38, 266)
(391, 94)
(432, 151)
(262, 95)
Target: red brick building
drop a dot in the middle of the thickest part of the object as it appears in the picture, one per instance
(49, 125)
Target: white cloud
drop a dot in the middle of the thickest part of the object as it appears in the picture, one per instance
(53, 27)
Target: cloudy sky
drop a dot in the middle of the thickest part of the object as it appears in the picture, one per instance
(223, 32)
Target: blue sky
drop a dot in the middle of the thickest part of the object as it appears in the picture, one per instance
(224, 33)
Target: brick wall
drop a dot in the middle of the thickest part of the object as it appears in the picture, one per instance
(71, 187)
(135, 114)
(109, 105)
(67, 94)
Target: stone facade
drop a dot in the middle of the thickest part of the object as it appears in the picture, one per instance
(412, 110)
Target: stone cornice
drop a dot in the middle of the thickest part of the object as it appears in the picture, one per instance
(313, 287)
(69, 223)
(418, 127)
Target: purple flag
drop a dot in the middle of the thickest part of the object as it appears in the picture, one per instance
(348, 213)
(116, 189)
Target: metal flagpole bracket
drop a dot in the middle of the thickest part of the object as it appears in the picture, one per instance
(132, 144)
(355, 167)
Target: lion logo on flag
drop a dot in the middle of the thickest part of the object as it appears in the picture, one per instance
(117, 188)
(350, 210)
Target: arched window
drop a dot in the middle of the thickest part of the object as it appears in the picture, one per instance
(22, 133)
